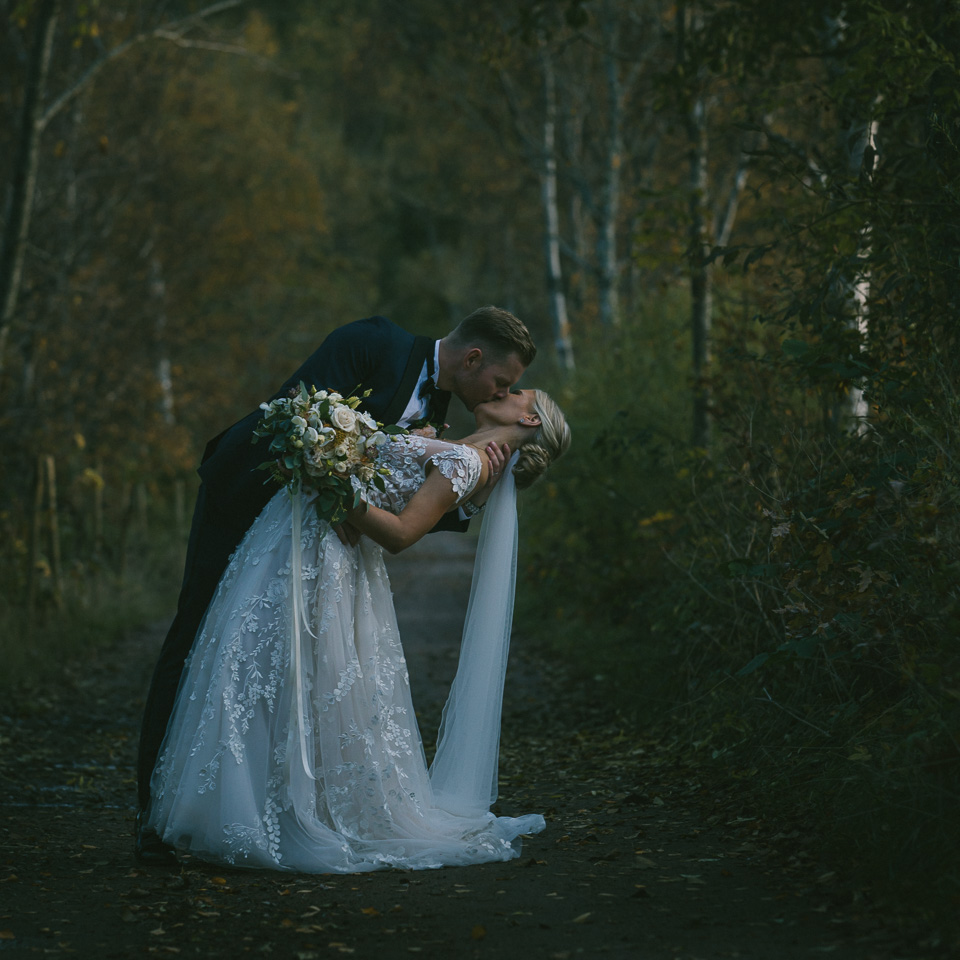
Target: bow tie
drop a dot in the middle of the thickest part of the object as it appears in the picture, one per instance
(427, 389)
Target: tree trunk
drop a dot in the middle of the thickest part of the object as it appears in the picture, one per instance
(548, 192)
(700, 273)
(856, 148)
(97, 513)
(855, 410)
(607, 267)
(126, 511)
(158, 293)
(36, 528)
(24, 178)
(53, 525)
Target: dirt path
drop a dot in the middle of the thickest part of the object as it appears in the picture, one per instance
(629, 866)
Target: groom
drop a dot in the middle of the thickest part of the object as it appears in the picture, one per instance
(411, 379)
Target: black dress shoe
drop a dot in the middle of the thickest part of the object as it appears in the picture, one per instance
(148, 847)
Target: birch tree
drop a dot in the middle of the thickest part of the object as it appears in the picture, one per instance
(40, 107)
(713, 204)
(857, 157)
(23, 181)
(551, 215)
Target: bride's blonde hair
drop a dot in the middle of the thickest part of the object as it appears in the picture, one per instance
(549, 442)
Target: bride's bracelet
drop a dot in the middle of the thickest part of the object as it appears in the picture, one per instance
(471, 509)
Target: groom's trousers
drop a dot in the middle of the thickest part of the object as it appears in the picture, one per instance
(212, 541)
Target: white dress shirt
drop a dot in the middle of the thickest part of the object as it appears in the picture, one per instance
(417, 406)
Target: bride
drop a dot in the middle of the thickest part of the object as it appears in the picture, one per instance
(293, 744)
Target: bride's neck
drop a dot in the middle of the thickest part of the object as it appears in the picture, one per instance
(481, 436)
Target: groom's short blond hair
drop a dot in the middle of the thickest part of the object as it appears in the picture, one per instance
(497, 332)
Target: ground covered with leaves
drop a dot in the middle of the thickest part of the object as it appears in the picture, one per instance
(642, 857)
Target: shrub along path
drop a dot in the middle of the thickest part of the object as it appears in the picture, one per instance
(637, 860)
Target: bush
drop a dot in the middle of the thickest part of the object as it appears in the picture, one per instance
(785, 607)
(102, 592)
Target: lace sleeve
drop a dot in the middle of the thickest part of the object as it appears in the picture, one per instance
(461, 465)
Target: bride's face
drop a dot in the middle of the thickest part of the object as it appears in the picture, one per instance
(518, 406)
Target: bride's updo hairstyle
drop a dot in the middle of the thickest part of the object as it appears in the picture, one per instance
(549, 442)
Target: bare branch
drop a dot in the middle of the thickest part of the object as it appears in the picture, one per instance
(179, 41)
(796, 716)
(168, 31)
(723, 228)
(531, 148)
(795, 149)
(576, 258)
(231, 48)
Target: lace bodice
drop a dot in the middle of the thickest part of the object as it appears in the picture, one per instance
(409, 457)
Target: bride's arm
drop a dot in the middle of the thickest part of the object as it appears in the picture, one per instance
(396, 532)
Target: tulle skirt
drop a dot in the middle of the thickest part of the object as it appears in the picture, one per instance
(293, 744)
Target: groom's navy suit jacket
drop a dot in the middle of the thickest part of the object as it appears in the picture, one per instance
(372, 354)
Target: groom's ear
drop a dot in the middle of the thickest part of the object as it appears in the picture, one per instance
(473, 358)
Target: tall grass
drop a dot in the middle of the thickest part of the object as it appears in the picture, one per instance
(130, 581)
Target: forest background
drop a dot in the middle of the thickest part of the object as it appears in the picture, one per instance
(731, 226)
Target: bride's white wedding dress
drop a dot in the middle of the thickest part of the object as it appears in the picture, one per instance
(293, 744)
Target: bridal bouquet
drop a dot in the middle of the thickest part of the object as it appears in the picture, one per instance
(321, 441)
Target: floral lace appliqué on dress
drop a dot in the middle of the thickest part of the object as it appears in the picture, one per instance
(326, 774)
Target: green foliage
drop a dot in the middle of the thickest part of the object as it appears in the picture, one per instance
(595, 531)
(130, 581)
(789, 598)
(788, 602)
(207, 214)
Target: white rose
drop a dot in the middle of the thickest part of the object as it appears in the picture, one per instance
(340, 467)
(341, 450)
(343, 418)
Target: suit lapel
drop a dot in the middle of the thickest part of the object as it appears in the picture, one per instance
(422, 346)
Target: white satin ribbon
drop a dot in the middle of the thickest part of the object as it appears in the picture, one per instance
(298, 714)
